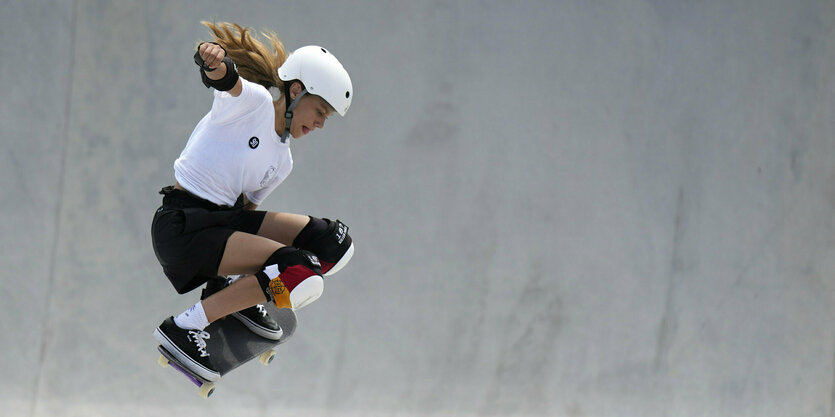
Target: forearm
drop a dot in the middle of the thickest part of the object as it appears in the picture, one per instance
(214, 69)
(249, 205)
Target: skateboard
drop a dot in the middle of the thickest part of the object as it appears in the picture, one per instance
(232, 345)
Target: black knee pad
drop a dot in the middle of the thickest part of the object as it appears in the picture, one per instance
(289, 256)
(324, 237)
(315, 228)
(264, 283)
(282, 259)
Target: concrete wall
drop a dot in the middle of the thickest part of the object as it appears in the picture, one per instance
(561, 208)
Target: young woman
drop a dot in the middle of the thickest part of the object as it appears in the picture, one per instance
(208, 225)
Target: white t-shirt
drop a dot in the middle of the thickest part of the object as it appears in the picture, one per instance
(234, 149)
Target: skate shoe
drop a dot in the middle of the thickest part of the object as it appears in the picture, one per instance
(255, 318)
(258, 321)
(334, 248)
(188, 346)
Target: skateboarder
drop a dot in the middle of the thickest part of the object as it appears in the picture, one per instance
(238, 153)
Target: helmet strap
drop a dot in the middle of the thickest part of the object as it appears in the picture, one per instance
(288, 114)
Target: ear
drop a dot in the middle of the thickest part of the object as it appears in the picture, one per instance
(295, 89)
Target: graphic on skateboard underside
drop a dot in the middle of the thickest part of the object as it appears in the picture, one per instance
(231, 344)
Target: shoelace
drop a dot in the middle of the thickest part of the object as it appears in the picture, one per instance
(199, 338)
(262, 310)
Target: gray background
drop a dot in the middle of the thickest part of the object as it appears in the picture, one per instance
(561, 208)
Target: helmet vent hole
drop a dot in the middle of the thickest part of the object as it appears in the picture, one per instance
(347, 94)
(323, 50)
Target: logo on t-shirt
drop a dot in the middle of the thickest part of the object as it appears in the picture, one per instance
(253, 142)
(269, 176)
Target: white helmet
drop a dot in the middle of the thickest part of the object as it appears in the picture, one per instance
(322, 75)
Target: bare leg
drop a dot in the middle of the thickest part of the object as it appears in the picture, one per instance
(246, 254)
(282, 227)
(243, 293)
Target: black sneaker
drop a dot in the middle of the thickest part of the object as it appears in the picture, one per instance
(258, 321)
(255, 318)
(188, 346)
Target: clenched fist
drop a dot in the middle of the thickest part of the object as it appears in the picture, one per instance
(212, 55)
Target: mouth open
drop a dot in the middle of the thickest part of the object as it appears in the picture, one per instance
(305, 130)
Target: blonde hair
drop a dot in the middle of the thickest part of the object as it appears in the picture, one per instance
(255, 61)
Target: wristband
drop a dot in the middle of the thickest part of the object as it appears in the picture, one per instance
(227, 82)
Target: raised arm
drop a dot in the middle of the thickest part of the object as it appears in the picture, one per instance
(217, 70)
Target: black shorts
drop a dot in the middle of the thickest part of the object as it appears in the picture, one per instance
(189, 235)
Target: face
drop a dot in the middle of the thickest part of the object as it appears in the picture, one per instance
(310, 114)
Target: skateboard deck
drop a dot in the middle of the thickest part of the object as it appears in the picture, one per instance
(232, 344)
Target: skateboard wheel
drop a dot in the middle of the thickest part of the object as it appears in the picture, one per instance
(162, 361)
(207, 389)
(267, 357)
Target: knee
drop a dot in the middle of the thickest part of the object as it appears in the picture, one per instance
(329, 240)
(291, 278)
